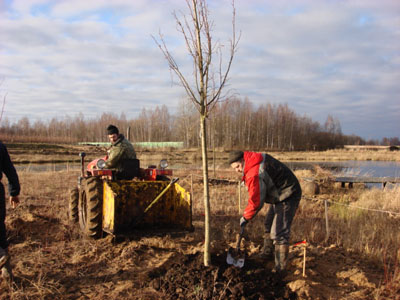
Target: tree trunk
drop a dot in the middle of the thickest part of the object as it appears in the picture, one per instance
(207, 256)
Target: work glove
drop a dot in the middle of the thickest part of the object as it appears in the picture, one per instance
(243, 222)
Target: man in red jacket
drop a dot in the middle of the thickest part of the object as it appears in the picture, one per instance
(269, 181)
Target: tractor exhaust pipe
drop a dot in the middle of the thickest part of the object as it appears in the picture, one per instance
(82, 156)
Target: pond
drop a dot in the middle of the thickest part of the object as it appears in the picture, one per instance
(353, 167)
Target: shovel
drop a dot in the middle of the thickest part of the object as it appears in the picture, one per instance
(236, 257)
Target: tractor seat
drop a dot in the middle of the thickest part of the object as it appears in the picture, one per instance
(130, 168)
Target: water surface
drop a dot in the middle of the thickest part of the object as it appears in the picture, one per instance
(353, 167)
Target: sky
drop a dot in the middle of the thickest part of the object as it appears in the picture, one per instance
(323, 57)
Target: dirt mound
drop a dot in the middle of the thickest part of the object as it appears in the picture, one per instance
(186, 277)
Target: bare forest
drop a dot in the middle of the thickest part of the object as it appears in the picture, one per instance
(232, 123)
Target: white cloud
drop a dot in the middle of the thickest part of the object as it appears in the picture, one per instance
(321, 57)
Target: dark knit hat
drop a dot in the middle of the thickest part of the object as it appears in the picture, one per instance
(235, 156)
(111, 129)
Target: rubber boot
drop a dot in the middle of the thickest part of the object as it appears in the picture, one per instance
(4, 257)
(6, 272)
(5, 266)
(267, 251)
(281, 259)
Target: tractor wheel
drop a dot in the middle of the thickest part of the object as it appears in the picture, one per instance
(90, 207)
(73, 205)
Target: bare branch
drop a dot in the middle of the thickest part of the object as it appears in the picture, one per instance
(234, 42)
(205, 90)
(174, 67)
(4, 102)
(2, 108)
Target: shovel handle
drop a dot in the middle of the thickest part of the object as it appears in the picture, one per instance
(174, 180)
(240, 237)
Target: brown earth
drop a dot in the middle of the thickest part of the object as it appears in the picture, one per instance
(52, 260)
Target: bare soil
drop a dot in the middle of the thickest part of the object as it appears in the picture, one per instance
(52, 260)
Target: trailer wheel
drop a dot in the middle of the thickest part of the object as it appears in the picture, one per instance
(90, 207)
(73, 205)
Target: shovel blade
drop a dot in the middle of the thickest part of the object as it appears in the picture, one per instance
(234, 260)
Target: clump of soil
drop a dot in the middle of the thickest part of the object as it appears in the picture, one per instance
(186, 277)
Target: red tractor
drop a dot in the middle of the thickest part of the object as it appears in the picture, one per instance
(110, 201)
(96, 168)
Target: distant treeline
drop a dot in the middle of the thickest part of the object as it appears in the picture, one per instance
(233, 123)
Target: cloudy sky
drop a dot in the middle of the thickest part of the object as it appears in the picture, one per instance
(321, 57)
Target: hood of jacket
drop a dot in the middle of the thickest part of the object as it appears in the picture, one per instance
(251, 159)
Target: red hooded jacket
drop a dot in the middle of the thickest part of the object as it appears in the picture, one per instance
(267, 180)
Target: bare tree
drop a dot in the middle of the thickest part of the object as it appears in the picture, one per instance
(4, 103)
(2, 107)
(208, 82)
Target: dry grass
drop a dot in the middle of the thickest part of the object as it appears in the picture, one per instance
(35, 152)
(48, 252)
(35, 230)
(388, 199)
(357, 220)
(353, 221)
(364, 221)
(339, 155)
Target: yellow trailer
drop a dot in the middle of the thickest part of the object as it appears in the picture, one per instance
(122, 205)
(125, 202)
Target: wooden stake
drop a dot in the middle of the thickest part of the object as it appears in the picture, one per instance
(326, 221)
(191, 187)
(304, 260)
(239, 188)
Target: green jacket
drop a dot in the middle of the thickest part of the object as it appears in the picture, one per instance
(122, 149)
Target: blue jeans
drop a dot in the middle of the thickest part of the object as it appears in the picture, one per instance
(279, 219)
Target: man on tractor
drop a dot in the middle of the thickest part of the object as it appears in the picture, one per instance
(269, 180)
(121, 155)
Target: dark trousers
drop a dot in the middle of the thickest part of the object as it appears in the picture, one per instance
(279, 219)
(3, 234)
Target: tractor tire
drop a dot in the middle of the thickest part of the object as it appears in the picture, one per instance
(90, 207)
(73, 203)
